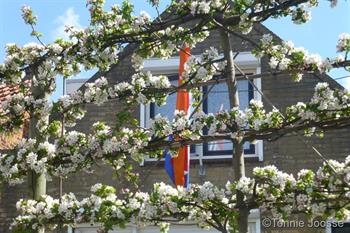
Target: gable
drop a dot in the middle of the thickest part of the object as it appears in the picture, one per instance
(123, 70)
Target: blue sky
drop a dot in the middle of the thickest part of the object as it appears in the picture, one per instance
(318, 36)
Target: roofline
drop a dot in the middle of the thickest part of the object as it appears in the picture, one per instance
(77, 80)
(128, 50)
(322, 77)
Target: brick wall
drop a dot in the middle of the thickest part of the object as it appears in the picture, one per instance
(288, 153)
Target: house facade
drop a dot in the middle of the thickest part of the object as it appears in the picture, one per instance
(211, 161)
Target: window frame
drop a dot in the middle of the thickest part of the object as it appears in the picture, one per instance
(206, 151)
(254, 217)
(247, 62)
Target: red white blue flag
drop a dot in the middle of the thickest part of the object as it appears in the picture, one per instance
(178, 167)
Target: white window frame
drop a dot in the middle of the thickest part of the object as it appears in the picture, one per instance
(254, 217)
(245, 60)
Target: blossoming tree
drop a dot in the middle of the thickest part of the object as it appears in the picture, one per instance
(52, 150)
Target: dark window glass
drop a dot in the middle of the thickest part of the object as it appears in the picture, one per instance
(169, 108)
(344, 228)
(217, 100)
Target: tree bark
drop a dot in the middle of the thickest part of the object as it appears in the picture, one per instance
(238, 152)
(37, 182)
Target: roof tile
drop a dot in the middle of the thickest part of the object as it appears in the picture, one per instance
(10, 140)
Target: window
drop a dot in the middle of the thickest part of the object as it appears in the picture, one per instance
(342, 229)
(218, 100)
(253, 227)
(168, 109)
(218, 94)
(190, 228)
(338, 227)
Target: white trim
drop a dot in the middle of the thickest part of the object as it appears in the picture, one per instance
(257, 96)
(156, 65)
(71, 85)
(76, 80)
(254, 217)
(257, 83)
(142, 123)
(142, 115)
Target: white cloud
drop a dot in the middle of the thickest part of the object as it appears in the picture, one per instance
(69, 18)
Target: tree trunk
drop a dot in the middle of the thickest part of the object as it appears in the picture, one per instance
(238, 152)
(37, 182)
(37, 188)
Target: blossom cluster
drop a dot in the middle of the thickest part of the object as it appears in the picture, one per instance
(301, 15)
(74, 151)
(16, 107)
(204, 7)
(343, 43)
(249, 12)
(298, 61)
(27, 15)
(143, 88)
(98, 46)
(87, 50)
(119, 25)
(99, 92)
(77, 151)
(227, 121)
(103, 207)
(30, 156)
(326, 103)
(204, 67)
(71, 106)
(91, 48)
(324, 194)
(13, 110)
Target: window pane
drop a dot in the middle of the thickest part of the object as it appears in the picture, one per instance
(225, 145)
(167, 109)
(252, 227)
(243, 92)
(218, 99)
(343, 228)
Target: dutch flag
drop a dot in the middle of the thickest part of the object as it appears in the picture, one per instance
(178, 167)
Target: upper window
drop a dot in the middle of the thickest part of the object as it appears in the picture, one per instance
(337, 227)
(217, 99)
(169, 108)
